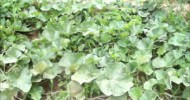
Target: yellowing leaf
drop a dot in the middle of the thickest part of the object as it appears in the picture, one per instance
(39, 68)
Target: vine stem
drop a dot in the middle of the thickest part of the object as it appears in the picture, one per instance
(172, 96)
(99, 97)
(52, 92)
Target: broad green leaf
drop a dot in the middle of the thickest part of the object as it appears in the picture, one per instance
(180, 39)
(149, 84)
(135, 93)
(45, 7)
(76, 90)
(170, 29)
(131, 67)
(160, 74)
(114, 81)
(168, 83)
(122, 43)
(157, 32)
(169, 59)
(7, 60)
(142, 57)
(105, 37)
(39, 67)
(85, 73)
(186, 92)
(4, 86)
(163, 49)
(20, 47)
(63, 95)
(159, 62)
(146, 68)
(141, 45)
(50, 35)
(136, 29)
(149, 95)
(12, 55)
(24, 80)
(52, 72)
(8, 94)
(116, 24)
(143, 14)
(70, 58)
(172, 73)
(176, 79)
(187, 56)
(36, 92)
(177, 53)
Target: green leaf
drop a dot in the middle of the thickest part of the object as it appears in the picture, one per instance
(63, 95)
(146, 68)
(135, 93)
(13, 52)
(114, 81)
(142, 57)
(7, 60)
(24, 80)
(160, 74)
(4, 85)
(143, 14)
(149, 95)
(187, 56)
(159, 62)
(36, 92)
(170, 29)
(186, 92)
(162, 49)
(116, 24)
(173, 75)
(177, 53)
(50, 35)
(122, 43)
(131, 67)
(39, 67)
(76, 90)
(141, 45)
(8, 94)
(85, 73)
(52, 72)
(149, 84)
(157, 32)
(180, 39)
(69, 59)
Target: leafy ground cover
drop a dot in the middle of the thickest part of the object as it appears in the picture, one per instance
(93, 50)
